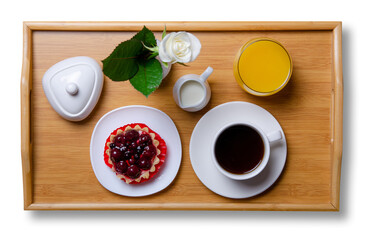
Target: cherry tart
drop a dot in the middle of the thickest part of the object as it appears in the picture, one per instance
(135, 153)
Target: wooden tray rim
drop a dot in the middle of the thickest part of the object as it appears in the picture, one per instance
(336, 110)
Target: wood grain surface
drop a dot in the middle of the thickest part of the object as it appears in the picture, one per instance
(55, 152)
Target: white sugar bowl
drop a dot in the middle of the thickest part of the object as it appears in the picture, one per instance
(73, 87)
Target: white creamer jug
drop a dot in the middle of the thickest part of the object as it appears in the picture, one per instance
(192, 92)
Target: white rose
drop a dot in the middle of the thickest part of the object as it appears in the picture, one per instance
(180, 47)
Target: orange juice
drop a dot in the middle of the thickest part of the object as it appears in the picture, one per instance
(262, 67)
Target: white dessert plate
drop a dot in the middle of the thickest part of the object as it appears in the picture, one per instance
(200, 150)
(159, 122)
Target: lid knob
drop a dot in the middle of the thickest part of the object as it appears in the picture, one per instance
(72, 88)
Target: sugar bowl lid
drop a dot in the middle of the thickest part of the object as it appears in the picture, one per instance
(73, 87)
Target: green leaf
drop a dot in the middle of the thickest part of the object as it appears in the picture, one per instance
(148, 78)
(122, 64)
(164, 32)
(146, 36)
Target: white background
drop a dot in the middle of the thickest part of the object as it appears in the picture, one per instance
(356, 189)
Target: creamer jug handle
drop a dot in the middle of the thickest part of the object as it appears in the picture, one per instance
(206, 74)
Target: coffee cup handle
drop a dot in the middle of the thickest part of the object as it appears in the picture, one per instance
(274, 136)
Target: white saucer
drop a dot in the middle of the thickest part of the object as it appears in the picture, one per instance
(200, 150)
(157, 121)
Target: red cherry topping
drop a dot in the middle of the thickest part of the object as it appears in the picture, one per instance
(145, 164)
(116, 154)
(145, 139)
(131, 161)
(132, 135)
(150, 151)
(120, 140)
(121, 167)
(133, 171)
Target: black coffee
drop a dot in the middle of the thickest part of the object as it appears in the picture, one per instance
(239, 149)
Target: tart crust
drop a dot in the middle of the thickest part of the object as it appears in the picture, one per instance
(157, 161)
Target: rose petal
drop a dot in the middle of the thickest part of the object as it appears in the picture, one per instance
(196, 46)
(163, 55)
(169, 47)
(182, 47)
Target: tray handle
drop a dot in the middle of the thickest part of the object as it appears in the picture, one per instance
(26, 143)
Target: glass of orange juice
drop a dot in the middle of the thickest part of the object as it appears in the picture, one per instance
(262, 67)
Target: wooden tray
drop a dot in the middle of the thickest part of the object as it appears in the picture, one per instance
(57, 170)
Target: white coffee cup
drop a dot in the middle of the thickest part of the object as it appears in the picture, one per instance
(267, 139)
